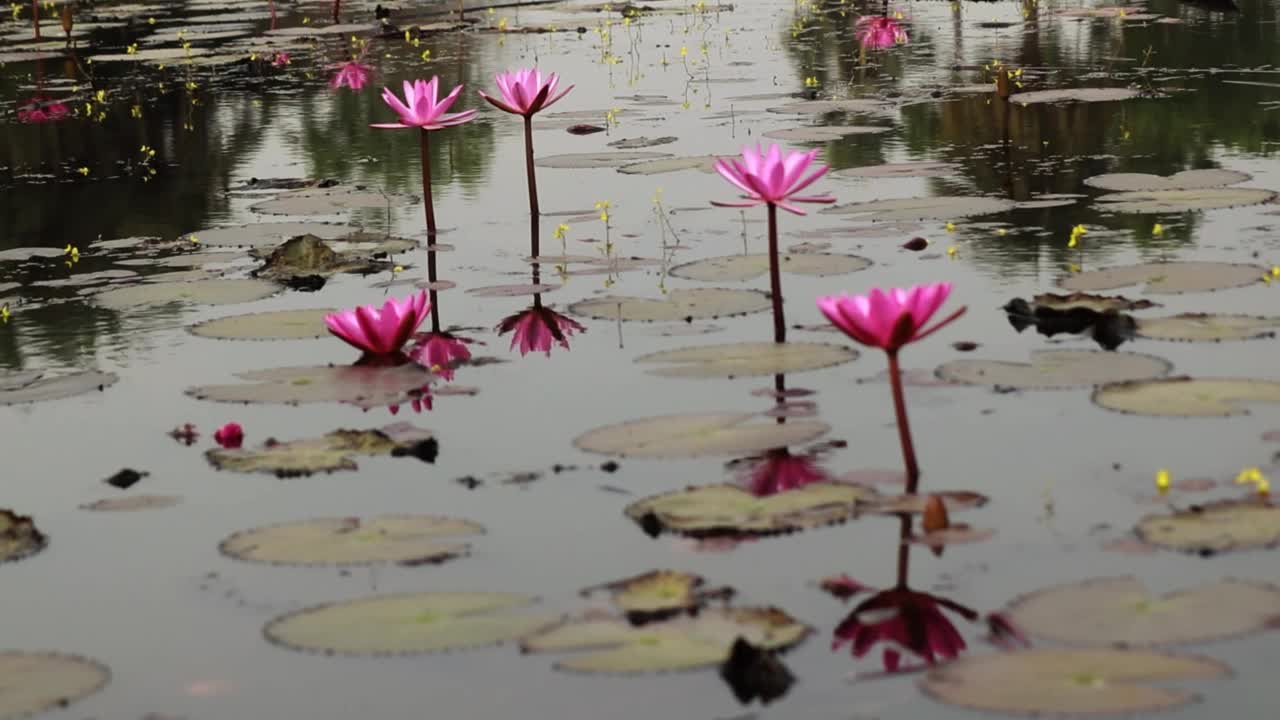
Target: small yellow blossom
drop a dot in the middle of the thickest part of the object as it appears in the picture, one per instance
(1157, 230)
(951, 227)
(4, 313)
(83, 171)
(811, 81)
(951, 251)
(1275, 271)
(684, 51)
(398, 269)
(1250, 475)
(1263, 487)
(561, 229)
(1002, 231)
(1076, 233)
(193, 239)
(1162, 480)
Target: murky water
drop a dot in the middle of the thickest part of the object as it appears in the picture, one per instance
(180, 625)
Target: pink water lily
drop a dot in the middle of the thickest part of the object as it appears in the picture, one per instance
(878, 32)
(778, 471)
(422, 108)
(537, 328)
(525, 92)
(39, 110)
(380, 332)
(440, 352)
(229, 436)
(889, 319)
(351, 74)
(903, 620)
(772, 177)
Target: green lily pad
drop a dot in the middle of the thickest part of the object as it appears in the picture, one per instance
(174, 55)
(654, 595)
(19, 539)
(37, 682)
(1073, 95)
(331, 200)
(1218, 527)
(1166, 278)
(612, 645)
(747, 359)
(687, 305)
(943, 207)
(1202, 327)
(726, 509)
(31, 387)
(1187, 397)
(730, 268)
(696, 435)
(1069, 683)
(350, 541)
(267, 234)
(822, 107)
(587, 161)
(329, 453)
(1087, 301)
(917, 169)
(1056, 369)
(1185, 180)
(364, 386)
(201, 292)
(1119, 611)
(1177, 201)
(822, 133)
(276, 325)
(705, 163)
(409, 624)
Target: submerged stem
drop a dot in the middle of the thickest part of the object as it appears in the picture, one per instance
(904, 428)
(35, 17)
(775, 278)
(904, 550)
(426, 187)
(528, 163)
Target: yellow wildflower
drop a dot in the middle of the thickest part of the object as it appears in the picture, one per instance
(1162, 480)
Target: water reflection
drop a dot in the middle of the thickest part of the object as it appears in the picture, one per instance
(538, 328)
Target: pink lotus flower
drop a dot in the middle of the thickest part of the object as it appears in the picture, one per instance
(440, 353)
(380, 332)
(907, 621)
(778, 471)
(878, 32)
(889, 319)
(525, 92)
(281, 59)
(421, 401)
(421, 109)
(537, 328)
(769, 176)
(351, 74)
(230, 435)
(37, 110)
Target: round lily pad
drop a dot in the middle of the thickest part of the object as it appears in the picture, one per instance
(131, 503)
(327, 201)
(348, 541)
(30, 387)
(747, 359)
(19, 539)
(1073, 95)
(696, 435)
(943, 207)
(204, 292)
(169, 55)
(496, 291)
(587, 161)
(822, 133)
(1166, 278)
(1177, 201)
(1185, 180)
(917, 169)
(1202, 327)
(822, 107)
(1119, 611)
(613, 645)
(654, 595)
(277, 325)
(687, 305)
(1068, 683)
(1086, 301)
(1187, 397)
(1217, 527)
(37, 682)
(705, 163)
(409, 624)
(642, 142)
(267, 234)
(1056, 369)
(730, 268)
(364, 386)
(329, 453)
(729, 509)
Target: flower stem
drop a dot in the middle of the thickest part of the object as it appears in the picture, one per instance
(336, 5)
(775, 278)
(35, 17)
(426, 187)
(528, 163)
(904, 427)
(904, 550)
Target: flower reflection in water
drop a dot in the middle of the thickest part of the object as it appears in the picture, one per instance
(41, 110)
(440, 352)
(538, 328)
(777, 470)
(877, 32)
(903, 620)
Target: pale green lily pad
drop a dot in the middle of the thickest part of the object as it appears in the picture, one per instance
(350, 541)
(19, 539)
(687, 305)
(730, 268)
(1218, 527)
(276, 325)
(409, 624)
(822, 133)
(612, 645)
(26, 388)
(918, 169)
(944, 207)
(267, 234)
(652, 595)
(1166, 278)
(329, 453)
(1056, 369)
(200, 292)
(173, 55)
(38, 682)
(727, 509)
(588, 161)
(822, 107)
(364, 386)
(1187, 397)
(1177, 201)
(1202, 327)
(704, 163)
(331, 200)
(1185, 180)
(308, 255)
(748, 359)
(1087, 301)
(1069, 683)
(696, 435)
(1087, 95)
(1119, 611)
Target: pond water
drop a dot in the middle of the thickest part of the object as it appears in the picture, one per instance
(165, 149)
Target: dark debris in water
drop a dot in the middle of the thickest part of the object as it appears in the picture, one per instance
(752, 673)
(126, 478)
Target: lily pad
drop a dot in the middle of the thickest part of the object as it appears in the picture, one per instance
(823, 133)
(25, 388)
(730, 268)
(327, 201)
(408, 624)
(654, 595)
(307, 256)
(1187, 397)
(1119, 611)
(1202, 327)
(822, 107)
(915, 504)
(696, 435)
(613, 645)
(37, 682)
(1166, 278)
(267, 234)
(729, 509)
(174, 55)
(131, 503)
(587, 161)
(747, 359)
(1177, 201)
(19, 539)
(1087, 301)
(1056, 369)
(202, 292)
(919, 169)
(277, 325)
(943, 207)
(1223, 526)
(364, 386)
(329, 453)
(686, 305)
(1185, 180)
(350, 541)
(705, 163)
(1074, 95)
(1066, 683)
(642, 142)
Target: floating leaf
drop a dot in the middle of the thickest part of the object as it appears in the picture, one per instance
(348, 541)
(1166, 278)
(1087, 301)
(1201, 327)
(329, 453)
(1187, 397)
(1073, 95)
(277, 325)
(614, 645)
(1119, 611)
(494, 291)
(203, 292)
(730, 268)
(364, 386)
(705, 163)
(822, 107)
(131, 503)
(943, 207)
(686, 305)
(726, 509)
(24, 388)
(37, 682)
(330, 200)
(822, 133)
(1068, 683)
(149, 55)
(642, 142)
(957, 534)
(1217, 527)
(654, 595)
(919, 169)
(747, 359)
(19, 539)
(267, 234)
(1185, 180)
(1177, 201)
(916, 504)
(587, 161)
(696, 435)
(1056, 369)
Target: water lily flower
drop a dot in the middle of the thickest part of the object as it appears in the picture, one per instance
(439, 352)
(903, 620)
(280, 59)
(351, 74)
(230, 435)
(537, 328)
(38, 110)
(380, 332)
(525, 93)
(878, 32)
(778, 470)
(770, 177)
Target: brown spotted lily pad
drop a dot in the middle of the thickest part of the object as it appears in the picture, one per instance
(1185, 180)
(1088, 301)
(276, 325)
(696, 435)
(1056, 369)
(1202, 327)
(330, 453)
(1177, 201)
(1218, 527)
(200, 292)
(350, 541)
(32, 386)
(730, 268)
(331, 200)
(747, 359)
(1067, 683)
(1119, 611)
(19, 539)
(409, 624)
(364, 386)
(1187, 397)
(613, 645)
(1166, 278)
(728, 509)
(37, 682)
(687, 305)
(943, 207)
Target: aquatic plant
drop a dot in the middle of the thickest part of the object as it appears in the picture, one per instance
(525, 93)
(40, 110)
(777, 470)
(903, 619)
(877, 32)
(230, 435)
(351, 74)
(537, 328)
(380, 332)
(439, 352)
